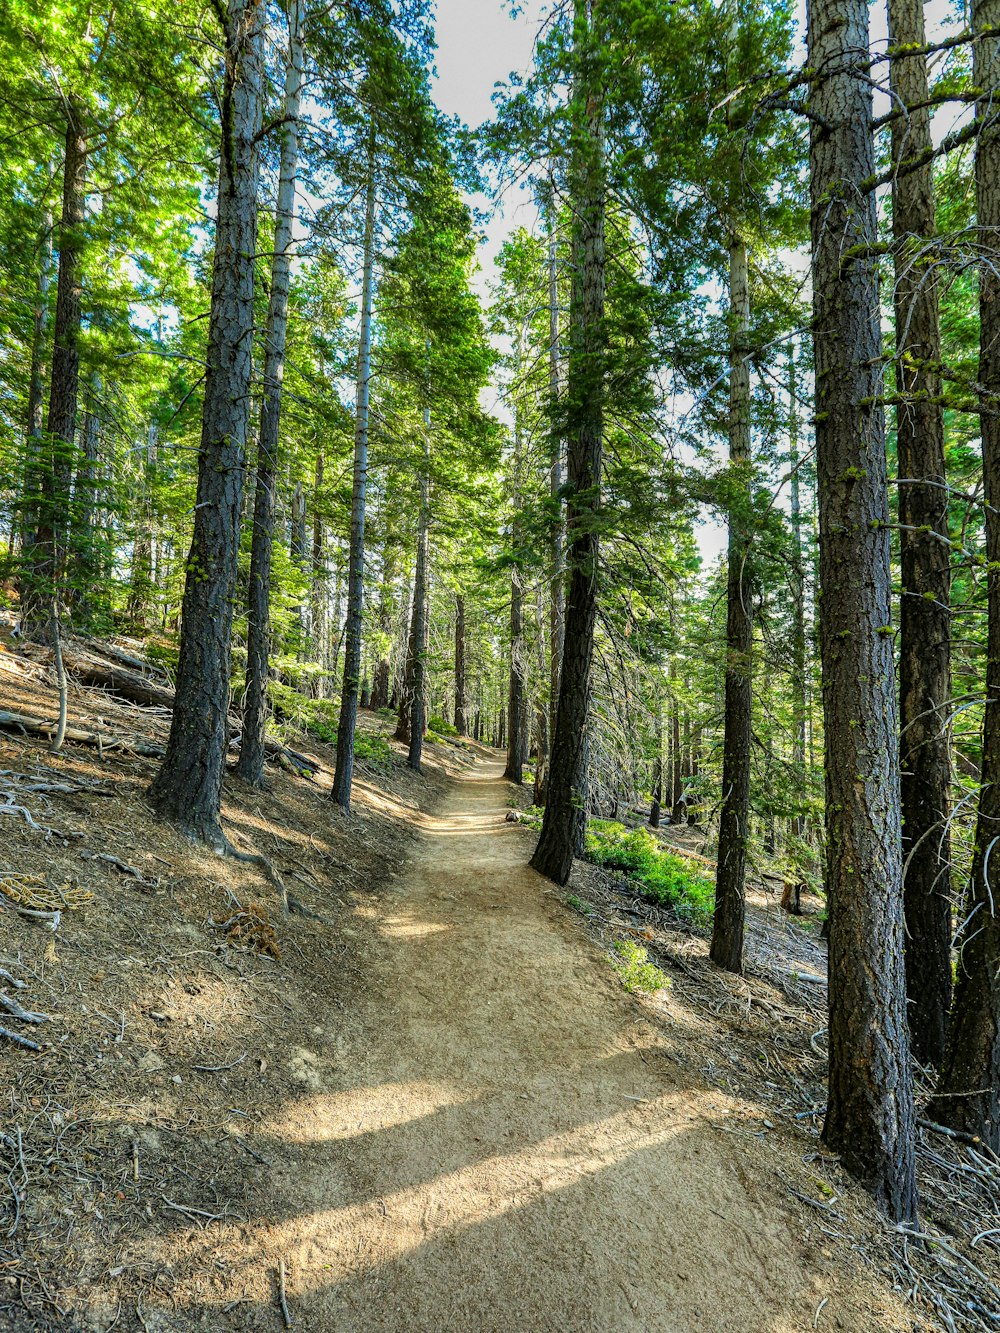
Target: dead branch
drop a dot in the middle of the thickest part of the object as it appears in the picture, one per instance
(35, 726)
(18, 1040)
(22, 1015)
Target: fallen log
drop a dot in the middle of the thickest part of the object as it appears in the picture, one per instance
(126, 684)
(36, 726)
(98, 648)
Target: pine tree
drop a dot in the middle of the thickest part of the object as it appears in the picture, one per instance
(870, 1114)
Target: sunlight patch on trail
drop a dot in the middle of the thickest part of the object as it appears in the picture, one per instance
(367, 1110)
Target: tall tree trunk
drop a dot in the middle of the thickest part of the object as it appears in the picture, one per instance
(461, 702)
(730, 907)
(405, 676)
(516, 694)
(541, 711)
(355, 577)
(250, 764)
(86, 571)
(380, 684)
(298, 551)
(516, 700)
(870, 1113)
(656, 804)
(27, 524)
(676, 756)
(557, 553)
(188, 787)
(564, 822)
(969, 1089)
(418, 630)
(141, 576)
(799, 701)
(319, 591)
(44, 560)
(925, 616)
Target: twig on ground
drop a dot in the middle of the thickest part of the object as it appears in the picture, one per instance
(282, 1296)
(18, 1040)
(23, 1015)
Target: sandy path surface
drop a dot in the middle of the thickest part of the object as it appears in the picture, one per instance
(493, 1143)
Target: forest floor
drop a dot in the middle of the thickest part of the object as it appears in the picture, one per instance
(438, 1110)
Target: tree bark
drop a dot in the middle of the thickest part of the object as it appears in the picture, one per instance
(730, 906)
(516, 757)
(85, 565)
(44, 561)
(141, 576)
(925, 616)
(355, 577)
(27, 524)
(418, 629)
(870, 1113)
(968, 1095)
(188, 787)
(461, 702)
(557, 552)
(298, 551)
(656, 804)
(250, 765)
(799, 696)
(564, 823)
(541, 711)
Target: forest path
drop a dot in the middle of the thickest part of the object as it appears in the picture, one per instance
(491, 1143)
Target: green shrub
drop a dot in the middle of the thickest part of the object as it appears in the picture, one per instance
(442, 727)
(635, 971)
(662, 877)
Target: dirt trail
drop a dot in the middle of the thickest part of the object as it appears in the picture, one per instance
(493, 1142)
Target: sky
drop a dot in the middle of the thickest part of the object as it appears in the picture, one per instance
(479, 45)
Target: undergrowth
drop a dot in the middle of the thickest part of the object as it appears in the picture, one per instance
(635, 971)
(319, 718)
(661, 877)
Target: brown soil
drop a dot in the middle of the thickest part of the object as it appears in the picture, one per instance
(438, 1111)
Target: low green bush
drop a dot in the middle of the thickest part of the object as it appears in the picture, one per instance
(635, 971)
(442, 727)
(661, 877)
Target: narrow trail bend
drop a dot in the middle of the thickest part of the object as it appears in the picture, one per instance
(493, 1144)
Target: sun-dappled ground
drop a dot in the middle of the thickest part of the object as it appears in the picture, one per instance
(438, 1109)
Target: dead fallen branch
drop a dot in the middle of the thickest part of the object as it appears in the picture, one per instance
(22, 1015)
(21, 723)
(18, 1040)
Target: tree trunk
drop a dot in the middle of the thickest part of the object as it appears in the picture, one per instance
(355, 577)
(968, 1096)
(27, 524)
(319, 592)
(461, 703)
(541, 712)
(188, 787)
(298, 552)
(730, 906)
(141, 575)
(250, 765)
(557, 553)
(405, 680)
(516, 757)
(564, 822)
(656, 804)
(870, 1113)
(925, 616)
(799, 704)
(418, 629)
(86, 571)
(44, 561)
